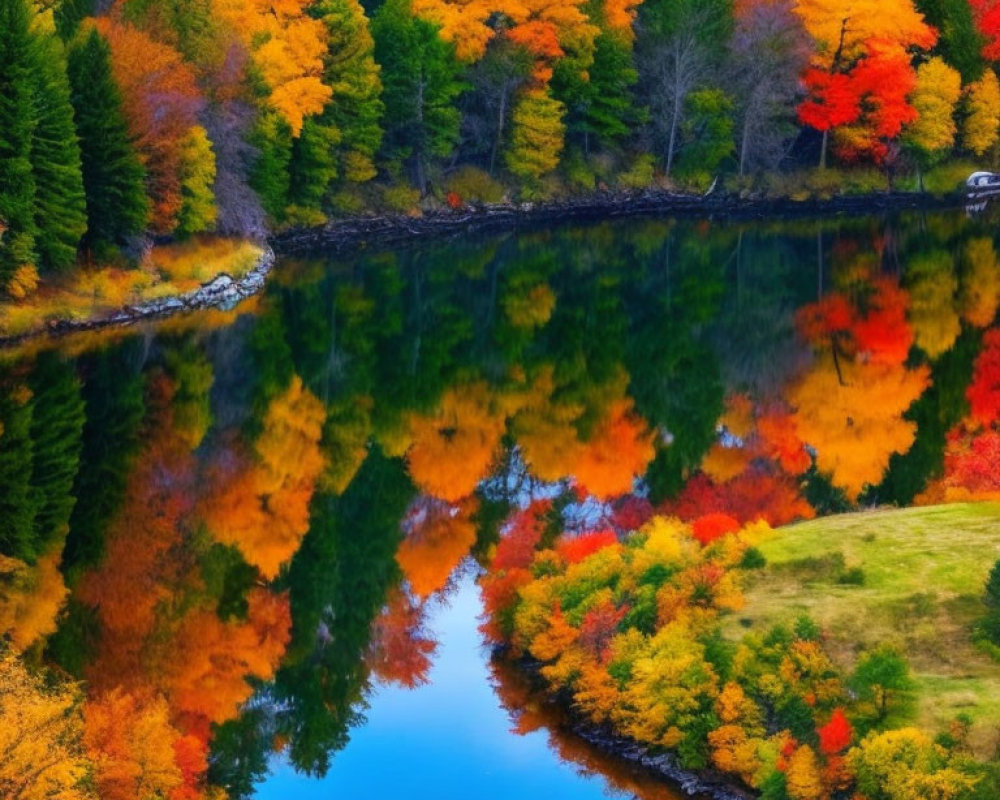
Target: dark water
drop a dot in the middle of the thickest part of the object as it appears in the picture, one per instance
(254, 535)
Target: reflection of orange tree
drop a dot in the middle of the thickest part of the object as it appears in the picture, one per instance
(166, 665)
(438, 537)
(453, 447)
(753, 471)
(261, 505)
(400, 649)
(849, 405)
(600, 441)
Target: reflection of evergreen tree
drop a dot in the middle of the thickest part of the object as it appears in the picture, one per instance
(338, 583)
(17, 535)
(674, 371)
(56, 431)
(114, 403)
(39, 455)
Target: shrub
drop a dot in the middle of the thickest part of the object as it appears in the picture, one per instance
(753, 559)
(640, 174)
(348, 203)
(475, 185)
(579, 174)
(401, 199)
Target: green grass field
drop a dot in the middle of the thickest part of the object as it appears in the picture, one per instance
(912, 578)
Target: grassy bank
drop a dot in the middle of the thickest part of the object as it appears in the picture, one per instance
(95, 293)
(912, 578)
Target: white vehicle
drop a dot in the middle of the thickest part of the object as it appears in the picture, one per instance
(981, 179)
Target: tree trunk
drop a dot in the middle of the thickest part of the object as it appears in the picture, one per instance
(822, 150)
(499, 136)
(744, 143)
(421, 177)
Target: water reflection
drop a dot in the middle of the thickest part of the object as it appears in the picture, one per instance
(231, 528)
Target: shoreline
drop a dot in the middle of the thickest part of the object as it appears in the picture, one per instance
(222, 291)
(392, 230)
(706, 784)
(385, 231)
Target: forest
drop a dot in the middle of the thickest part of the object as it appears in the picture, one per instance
(136, 122)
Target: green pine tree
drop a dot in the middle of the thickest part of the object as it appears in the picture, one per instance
(313, 166)
(18, 121)
(356, 109)
(270, 176)
(613, 112)
(60, 205)
(113, 176)
(421, 81)
(57, 435)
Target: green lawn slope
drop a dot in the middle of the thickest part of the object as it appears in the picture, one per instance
(913, 578)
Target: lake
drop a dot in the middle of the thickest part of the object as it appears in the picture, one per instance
(255, 534)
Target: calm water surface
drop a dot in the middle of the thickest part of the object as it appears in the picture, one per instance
(255, 535)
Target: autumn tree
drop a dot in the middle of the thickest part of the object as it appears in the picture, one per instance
(938, 90)
(537, 135)
(40, 737)
(161, 104)
(905, 763)
(981, 127)
(287, 45)
(355, 109)
(197, 212)
(861, 72)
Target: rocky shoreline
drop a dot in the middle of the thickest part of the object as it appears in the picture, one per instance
(223, 291)
(387, 231)
(700, 784)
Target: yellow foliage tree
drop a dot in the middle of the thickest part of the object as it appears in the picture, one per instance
(30, 599)
(803, 778)
(982, 121)
(40, 738)
(734, 751)
(538, 134)
(670, 682)
(939, 87)
(979, 295)
(905, 764)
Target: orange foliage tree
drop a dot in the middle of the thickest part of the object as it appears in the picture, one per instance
(262, 504)
(161, 103)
